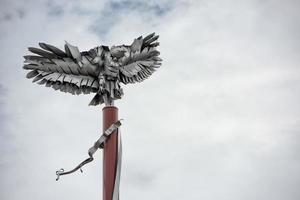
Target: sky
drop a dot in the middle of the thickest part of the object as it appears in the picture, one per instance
(220, 120)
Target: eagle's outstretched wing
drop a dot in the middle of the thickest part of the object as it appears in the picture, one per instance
(68, 71)
(142, 61)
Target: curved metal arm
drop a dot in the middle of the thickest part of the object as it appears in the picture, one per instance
(97, 145)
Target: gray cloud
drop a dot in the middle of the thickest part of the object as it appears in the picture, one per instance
(116, 11)
(219, 120)
(55, 10)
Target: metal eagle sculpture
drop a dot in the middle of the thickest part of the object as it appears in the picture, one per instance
(99, 70)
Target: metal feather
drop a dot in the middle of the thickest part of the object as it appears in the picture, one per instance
(42, 82)
(148, 42)
(32, 74)
(53, 49)
(149, 36)
(42, 52)
(37, 78)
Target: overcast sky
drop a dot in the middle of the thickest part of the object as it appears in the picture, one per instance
(220, 120)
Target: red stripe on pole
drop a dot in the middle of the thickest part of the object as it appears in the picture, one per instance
(110, 152)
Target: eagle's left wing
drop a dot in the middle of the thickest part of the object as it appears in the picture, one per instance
(143, 60)
(68, 71)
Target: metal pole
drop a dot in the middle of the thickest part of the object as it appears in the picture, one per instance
(110, 152)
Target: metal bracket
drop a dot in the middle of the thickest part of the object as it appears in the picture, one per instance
(97, 145)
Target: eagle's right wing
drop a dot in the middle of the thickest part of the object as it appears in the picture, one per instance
(68, 71)
(143, 60)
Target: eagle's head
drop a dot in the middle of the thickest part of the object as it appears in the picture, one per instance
(114, 58)
(120, 54)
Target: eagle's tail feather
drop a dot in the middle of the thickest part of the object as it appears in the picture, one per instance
(98, 99)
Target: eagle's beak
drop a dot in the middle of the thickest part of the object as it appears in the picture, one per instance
(117, 53)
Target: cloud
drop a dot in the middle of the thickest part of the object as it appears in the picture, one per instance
(116, 11)
(218, 120)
